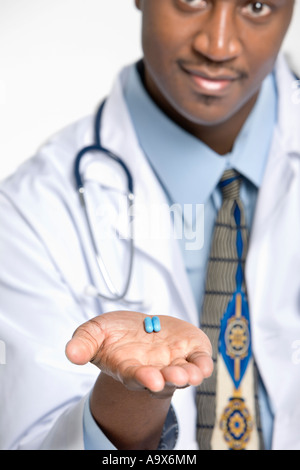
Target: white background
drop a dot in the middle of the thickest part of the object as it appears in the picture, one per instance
(58, 59)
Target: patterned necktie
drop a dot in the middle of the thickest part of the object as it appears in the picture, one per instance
(228, 413)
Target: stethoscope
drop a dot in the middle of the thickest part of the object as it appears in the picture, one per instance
(114, 295)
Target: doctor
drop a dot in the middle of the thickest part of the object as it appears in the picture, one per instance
(210, 93)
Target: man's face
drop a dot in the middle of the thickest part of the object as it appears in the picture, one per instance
(205, 59)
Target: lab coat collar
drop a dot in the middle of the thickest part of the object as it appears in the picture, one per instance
(288, 107)
(285, 145)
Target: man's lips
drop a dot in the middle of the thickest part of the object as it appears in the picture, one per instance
(211, 84)
(209, 81)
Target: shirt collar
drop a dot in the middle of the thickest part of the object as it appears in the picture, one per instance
(172, 151)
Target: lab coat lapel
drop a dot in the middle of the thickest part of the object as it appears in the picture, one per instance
(277, 181)
(119, 136)
(272, 266)
(280, 171)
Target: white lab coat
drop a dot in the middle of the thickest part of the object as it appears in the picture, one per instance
(47, 260)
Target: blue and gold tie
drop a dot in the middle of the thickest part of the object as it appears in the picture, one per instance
(228, 413)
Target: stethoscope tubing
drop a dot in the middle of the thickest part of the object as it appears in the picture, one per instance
(97, 147)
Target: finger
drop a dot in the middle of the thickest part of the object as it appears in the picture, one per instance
(195, 374)
(137, 377)
(203, 361)
(175, 375)
(85, 343)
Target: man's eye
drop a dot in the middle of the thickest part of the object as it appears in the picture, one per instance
(257, 9)
(194, 3)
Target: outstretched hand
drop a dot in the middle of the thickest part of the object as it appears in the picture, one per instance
(116, 342)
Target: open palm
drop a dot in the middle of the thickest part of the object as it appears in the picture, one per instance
(116, 342)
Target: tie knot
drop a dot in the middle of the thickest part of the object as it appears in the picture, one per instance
(230, 184)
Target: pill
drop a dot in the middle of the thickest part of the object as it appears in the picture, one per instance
(148, 325)
(156, 324)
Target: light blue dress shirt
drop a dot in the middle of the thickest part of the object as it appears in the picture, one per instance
(189, 172)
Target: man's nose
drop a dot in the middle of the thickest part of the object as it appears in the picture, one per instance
(218, 37)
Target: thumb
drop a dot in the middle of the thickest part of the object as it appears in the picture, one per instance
(85, 343)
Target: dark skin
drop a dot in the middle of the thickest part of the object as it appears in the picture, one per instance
(228, 38)
(204, 65)
(140, 372)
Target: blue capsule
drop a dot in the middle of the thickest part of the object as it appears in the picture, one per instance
(148, 325)
(156, 324)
